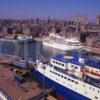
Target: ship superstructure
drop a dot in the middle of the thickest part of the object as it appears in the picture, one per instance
(61, 42)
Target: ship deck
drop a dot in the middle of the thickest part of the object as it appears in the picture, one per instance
(87, 80)
(8, 58)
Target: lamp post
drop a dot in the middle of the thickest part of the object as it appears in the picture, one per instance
(43, 85)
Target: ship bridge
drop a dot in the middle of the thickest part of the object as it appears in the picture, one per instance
(69, 62)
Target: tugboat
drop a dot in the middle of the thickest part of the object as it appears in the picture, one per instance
(73, 76)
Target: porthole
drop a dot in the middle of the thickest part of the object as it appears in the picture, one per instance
(72, 66)
(53, 61)
(68, 79)
(65, 77)
(58, 74)
(62, 64)
(76, 82)
(72, 80)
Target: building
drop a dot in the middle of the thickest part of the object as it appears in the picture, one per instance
(98, 20)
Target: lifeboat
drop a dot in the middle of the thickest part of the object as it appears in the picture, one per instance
(92, 73)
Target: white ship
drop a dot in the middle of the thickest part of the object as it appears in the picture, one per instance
(75, 77)
(24, 38)
(61, 42)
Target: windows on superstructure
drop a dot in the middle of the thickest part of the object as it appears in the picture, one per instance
(72, 65)
(98, 91)
(51, 65)
(65, 77)
(93, 88)
(62, 64)
(96, 97)
(76, 67)
(52, 72)
(68, 79)
(58, 63)
(61, 76)
(76, 82)
(72, 80)
(53, 61)
(58, 74)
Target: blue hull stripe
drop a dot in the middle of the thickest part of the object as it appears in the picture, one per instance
(60, 90)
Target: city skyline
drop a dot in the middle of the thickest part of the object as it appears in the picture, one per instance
(60, 9)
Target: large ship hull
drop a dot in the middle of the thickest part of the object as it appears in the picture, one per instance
(66, 93)
(61, 46)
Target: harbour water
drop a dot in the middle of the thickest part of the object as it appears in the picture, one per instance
(30, 51)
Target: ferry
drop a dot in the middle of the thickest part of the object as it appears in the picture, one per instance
(74, 76)
(61, 42)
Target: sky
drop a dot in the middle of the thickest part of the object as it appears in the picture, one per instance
(60, 9)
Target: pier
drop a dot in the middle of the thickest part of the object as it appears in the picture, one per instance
(7, 59)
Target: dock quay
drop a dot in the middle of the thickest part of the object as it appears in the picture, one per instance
(14, 90)
(7, 40)
(7, 59)
(12, 86)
